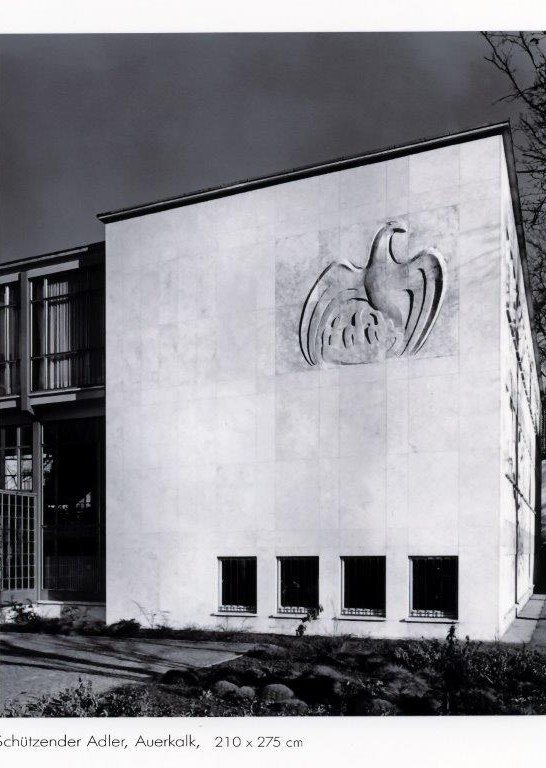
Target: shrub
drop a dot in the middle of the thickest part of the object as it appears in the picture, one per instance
(380, 677)
(20, 616)
(123, 628)
(79, 701)
(311, 615)
(21, 613)
(83, 701)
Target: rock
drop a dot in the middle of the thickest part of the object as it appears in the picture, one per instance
(321, 670)
(356, 654)
(268, 651)
(179, 677)
(251, 676)
(277, 692)
(225, 688)
(396, 672)
(246, 692)
(404, 683)
(290, 707)
(412, 693)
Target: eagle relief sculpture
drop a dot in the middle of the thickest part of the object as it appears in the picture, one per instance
(358, 314)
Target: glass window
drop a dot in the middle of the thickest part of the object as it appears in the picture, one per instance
(67, 312)
(73, 530)
(434, 587)
(9, 339)
(363, 585)
(238, 584)
(16, 458)
(298, 584)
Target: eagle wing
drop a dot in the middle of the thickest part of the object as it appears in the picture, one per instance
(338, 279)
(426, 287)
(355, 314)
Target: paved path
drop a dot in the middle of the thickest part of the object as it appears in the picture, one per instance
(530, 625)
(34, 664)
(539, 635)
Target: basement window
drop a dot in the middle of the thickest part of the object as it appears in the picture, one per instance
(237, 584)
(363, 586)
(298, 585)
(434, 587)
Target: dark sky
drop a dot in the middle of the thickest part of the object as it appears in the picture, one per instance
(90, 123)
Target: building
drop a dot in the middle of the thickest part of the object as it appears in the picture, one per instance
(321, 390)
(52, 428)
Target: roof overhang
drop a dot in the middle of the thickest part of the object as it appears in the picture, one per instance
(305, 172)
(84, 252)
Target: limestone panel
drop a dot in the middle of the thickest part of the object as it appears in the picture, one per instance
(232, 439)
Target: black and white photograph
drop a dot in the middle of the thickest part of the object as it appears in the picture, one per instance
(272, 359)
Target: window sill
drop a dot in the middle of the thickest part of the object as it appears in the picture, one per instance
(9, 401)
(363, 617)
(429, 620)
(64, 390)
(239, 614)
(70, 602)
(68, 394)
(294, 616)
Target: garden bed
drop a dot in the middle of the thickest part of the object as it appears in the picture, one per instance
(314, 675)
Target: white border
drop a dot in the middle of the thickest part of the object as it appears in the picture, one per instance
(66, 16)
(500, 742)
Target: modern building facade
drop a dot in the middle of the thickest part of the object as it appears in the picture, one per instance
(52, 428)
(321, 390)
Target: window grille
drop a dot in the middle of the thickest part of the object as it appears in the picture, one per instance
(17, 537)
(9, 339)
(363, 586)
(67, 313)
(73, 574)
(237, 584)
(434, 587)
(298, 584)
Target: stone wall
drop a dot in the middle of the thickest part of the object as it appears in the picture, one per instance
(236, 427)
(520, 424)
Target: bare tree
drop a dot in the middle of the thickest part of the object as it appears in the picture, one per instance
(521, 57)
